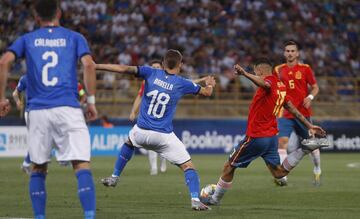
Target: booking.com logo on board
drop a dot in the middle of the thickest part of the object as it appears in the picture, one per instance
(2, 142)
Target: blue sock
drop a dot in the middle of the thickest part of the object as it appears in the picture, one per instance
(27, 158)
(193, 182)
(124, 156)
(86, 192)
(38, 194)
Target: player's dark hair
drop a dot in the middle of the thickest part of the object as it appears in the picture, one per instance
(292, 43)
(172, 58)
(155, 61)
(46, 9)
(263, 60)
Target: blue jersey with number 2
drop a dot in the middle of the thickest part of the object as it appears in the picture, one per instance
(51, 54)
(161, 94)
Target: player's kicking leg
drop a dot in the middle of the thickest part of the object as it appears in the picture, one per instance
(125, 154)
(193, 184)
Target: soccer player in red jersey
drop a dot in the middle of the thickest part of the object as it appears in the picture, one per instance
(298, 78)
(261, 134)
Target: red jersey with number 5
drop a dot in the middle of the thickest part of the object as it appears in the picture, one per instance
(297, 79)
(264, 109)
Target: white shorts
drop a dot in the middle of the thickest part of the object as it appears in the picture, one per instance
(61, 127)
(166, 144)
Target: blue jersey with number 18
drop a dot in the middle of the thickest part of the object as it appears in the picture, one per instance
(161, 94)
(51, 54)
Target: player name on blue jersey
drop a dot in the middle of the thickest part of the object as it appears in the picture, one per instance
(52, 55)
(163, 84)
(50, 42)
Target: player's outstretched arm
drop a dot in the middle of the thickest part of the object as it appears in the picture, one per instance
(258, 81)
(312, 128)
(117, 68)
(209, 88)
(90, 85)
(199, 80)
(5, 62)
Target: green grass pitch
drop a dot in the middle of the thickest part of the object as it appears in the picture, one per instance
(139, 195)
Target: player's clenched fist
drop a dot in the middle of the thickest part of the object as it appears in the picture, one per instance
(239, 70)
(4, 107)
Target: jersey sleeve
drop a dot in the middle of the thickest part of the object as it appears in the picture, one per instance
(189, 87)
(145, 71)
(82, 46)
(21, 86)
(18, 47)
(271, 80)
(141, 90)
(310, 78)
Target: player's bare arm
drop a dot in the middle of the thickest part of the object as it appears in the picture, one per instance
(199, 80)
(209, 88)
(16, 97)
(90, 85)
(135, 108)
(258, 81)
(5, 62)
(312, 128)
(314, 90)
(117, 68)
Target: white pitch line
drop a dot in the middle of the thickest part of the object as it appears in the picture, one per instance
(353, 165)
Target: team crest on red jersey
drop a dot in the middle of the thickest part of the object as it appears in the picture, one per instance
(298, 75)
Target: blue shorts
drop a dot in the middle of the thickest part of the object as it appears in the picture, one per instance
(251, 148)
(286, 126)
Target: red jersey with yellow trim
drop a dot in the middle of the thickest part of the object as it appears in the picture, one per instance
(296, 79)
(265, 107)
(141, 90)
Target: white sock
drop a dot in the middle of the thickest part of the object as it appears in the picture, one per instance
(152, 160)
(221, 188)
(293, 159)
(162, 164)
(282, 154)
(315, 157)
(26, 164)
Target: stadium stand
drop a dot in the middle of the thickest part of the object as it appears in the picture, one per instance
(213, 35)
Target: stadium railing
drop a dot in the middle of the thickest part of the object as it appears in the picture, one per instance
(339, 98)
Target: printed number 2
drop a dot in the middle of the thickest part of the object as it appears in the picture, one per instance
(45, 70)
(160, 99)
(279, 102)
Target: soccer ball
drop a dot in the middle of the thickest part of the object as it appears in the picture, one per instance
(207, 191)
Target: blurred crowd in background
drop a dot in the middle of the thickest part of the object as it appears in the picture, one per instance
(212, 35)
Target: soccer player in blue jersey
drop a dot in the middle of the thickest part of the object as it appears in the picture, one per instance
(55, 118)
(154, 129)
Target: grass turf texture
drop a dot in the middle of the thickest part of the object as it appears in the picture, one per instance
(139, 195)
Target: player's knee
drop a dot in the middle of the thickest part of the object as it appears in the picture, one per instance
(129, 143)
(187, 165)
(79, 165)
(42, 168)
(283, 142)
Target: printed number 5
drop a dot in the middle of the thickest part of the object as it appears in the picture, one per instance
(45, 70)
